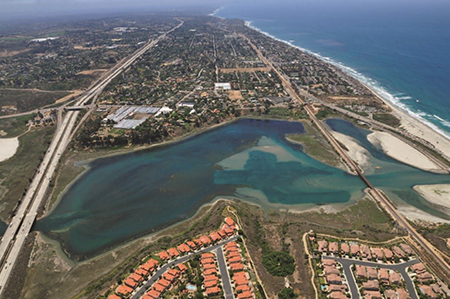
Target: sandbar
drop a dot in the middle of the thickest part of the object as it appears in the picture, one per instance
(8, 147)
(401, 151)
(356, 152)
(436, 194)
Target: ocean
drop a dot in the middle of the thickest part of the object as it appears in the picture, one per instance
(399, 48)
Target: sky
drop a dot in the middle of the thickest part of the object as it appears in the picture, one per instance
(24, 9)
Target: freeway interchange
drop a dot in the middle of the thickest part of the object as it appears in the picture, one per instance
(21, 224)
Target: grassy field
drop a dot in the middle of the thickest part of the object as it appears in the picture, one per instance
(14, 126)
(387, 118)
(316, 145)
(16, 173)
(26, 100)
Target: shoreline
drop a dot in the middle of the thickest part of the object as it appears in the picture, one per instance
(410, 121)
(438, 194)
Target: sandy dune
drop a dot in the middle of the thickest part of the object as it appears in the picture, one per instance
(8, 147)
(401, 151)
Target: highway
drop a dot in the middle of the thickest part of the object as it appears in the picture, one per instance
(23, 220)
(427, 248)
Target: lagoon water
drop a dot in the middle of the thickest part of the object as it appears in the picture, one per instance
(122, 197)
(400, 48)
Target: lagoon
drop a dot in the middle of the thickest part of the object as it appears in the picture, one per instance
(123, 197)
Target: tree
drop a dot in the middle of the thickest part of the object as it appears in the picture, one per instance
(287, 293)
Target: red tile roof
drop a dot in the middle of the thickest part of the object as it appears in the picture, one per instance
(191, 244)
(136, 277)
(173, 272)
(169, 277)
(154, 294)
(114, 296)
(242, 288)
(210, 271)
(207, 255)
(210, 277)
(229, 221)
(173, 252)
(164, 282)
(210, 283)
(124, 290)
(183, 248)
(212, 291)
(163, 255)
(131, 283)
(245, 295)
(182, 267)
(159, 287)
(205, 240)
(237, 266)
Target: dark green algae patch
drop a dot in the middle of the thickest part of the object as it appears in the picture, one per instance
(123, 197)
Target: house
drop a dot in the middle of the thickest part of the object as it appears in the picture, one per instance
(141, 271)
(173, 252)
(114, 296)
(418, 268)
(378, 253)
(169, 277)
(191, 244)
(323, 245)
(212, 291)
(425, 277)
(182, 267)
(334, 279)
(210, 271)
(183, 248)
(242, 288)
(395, 278)
(229, 221)
(124, 290)
(345, 249)
(372, 273)
(338, 295)
(331, 270)
(388, 253)
(390, 294)
(207, 261)
(333, 247)
(210, 283)
(371, 285)
(373, 295)
(209, 266)
(398, 252)
(205, 240)
(407, 249)
(328, 262)
(361, 271)
(210, 277)
(215, 236)
(136, 277)
(159, 287)
(154, 294)
(365, 252)
(207, 255)
(237, 266)
(383, 275)
(245, 295)
(131, 283)
(163, 255)
(402, 294)
(236, 259)
(427, 291)
(354, 249)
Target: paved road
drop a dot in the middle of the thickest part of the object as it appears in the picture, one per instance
(20, 226)
(401, 268)
(142, 290)
(226, 281)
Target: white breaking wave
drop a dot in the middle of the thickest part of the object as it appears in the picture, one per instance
(371, 84)
(403, 98)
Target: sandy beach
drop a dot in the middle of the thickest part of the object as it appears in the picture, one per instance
(416, 215)
(8, 147)
(358, 154)
(401, 151)
(436, 194)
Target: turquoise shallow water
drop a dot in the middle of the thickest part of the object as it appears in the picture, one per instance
(120, 198)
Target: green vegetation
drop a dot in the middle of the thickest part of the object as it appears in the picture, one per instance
(315, 145)
(287, 293)
(26, 100)
(17, 172)
(278, 263)
(387, 118)
(14, 126)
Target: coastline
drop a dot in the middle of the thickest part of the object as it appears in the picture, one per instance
(410, 121)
